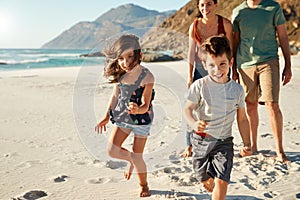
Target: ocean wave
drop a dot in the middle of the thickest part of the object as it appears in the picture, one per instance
(52, 55)
(14, 59)
(16, 62)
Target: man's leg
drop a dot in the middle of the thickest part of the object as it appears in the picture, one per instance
(276, 121)
(252, 112)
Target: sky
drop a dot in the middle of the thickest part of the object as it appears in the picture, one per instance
(32, 23)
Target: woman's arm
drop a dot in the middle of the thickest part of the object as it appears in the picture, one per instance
(229, 33)
(191, 55)
(236, 41)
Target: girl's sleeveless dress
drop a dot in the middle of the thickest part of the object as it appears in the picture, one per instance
(132, 93)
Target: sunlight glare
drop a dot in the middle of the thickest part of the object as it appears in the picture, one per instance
(5, 23)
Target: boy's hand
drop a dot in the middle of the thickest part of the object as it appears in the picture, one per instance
(199, 126)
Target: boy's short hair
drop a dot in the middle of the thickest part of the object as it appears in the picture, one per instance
(215, 46)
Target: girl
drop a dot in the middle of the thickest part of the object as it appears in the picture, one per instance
(130, 106)
(206, 24)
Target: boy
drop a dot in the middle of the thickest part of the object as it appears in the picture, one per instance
(213, 102)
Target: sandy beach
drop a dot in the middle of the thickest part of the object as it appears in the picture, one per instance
(49, 148)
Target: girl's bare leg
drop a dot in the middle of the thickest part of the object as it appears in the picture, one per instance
(140, 165)
(115, 149)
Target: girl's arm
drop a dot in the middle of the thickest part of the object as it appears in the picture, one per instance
(111, 104)
(146, 98)
(191, 55)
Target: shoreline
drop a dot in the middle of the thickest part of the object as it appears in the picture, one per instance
(294, 59)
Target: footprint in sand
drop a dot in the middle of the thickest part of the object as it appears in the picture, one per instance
(32, 195)
(247, 183)
(100, 180)
(115, 164)
(271, 194)
(180, 175)
(267, 135)
(29, 163)
(60, 179)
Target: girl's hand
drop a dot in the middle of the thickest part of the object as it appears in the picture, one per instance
(199, 126)
(102, 124)
(133, 108)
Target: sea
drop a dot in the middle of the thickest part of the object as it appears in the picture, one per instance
(25, 59)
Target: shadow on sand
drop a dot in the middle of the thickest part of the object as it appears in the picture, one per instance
(185, 195)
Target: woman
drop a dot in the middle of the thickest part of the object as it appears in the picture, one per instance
(206, 24)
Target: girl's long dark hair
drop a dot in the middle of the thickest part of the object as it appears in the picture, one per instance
(199, 13)
(113, 51)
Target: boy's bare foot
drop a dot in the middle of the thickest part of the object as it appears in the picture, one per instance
(281, 157)
(245, 151)
(127, 174)
(187, 152)
(208, 184)
(145, 192)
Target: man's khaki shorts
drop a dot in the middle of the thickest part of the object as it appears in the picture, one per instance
(261, 82)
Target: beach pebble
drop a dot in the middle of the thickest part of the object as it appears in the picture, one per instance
(31, 195)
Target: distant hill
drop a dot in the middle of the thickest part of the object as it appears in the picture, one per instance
(87, 35)
(175, 28)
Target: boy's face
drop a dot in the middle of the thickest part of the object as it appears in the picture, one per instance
(218, 67)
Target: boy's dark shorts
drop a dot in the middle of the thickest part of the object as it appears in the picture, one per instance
(212, 157)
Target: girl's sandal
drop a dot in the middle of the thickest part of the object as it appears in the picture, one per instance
(145, 192)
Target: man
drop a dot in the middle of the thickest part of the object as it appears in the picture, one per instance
(255, 24)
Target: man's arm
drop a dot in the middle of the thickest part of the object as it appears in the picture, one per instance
(285, 47)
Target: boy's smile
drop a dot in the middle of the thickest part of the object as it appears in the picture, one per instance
(218, 67)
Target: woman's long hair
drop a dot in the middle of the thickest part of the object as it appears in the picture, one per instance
(113, 51)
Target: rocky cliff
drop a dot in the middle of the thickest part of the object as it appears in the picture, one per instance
(172, 34)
